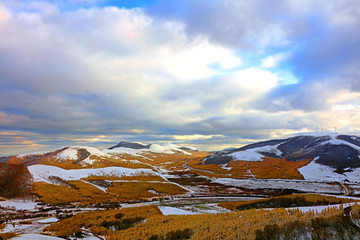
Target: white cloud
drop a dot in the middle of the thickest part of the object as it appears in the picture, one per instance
(344, 107)
(194, 137)
(255, 80)
(273, 60)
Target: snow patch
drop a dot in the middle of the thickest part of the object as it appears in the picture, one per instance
(254, 154)
(68, 154)
(247, 155)
(224, 166)
(319, 208)
(19, 204)
(316, 171)
(167, 148)
(41, 173)
(174, 211)
(335, 141)
(36, 237)
(71, 153)
(48, 220)
(156, 148)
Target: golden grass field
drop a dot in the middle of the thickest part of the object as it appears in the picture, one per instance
(129, 224)
(98, 221)
(269, 168)
(86, 194)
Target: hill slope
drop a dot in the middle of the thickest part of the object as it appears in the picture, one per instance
(337, 151)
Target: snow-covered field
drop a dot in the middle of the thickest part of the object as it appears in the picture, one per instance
(41, 173)
(48, 220)
(319, 208)
(301, 185)
(19, 204)
(318, 172)
(174, 211)
(44, 237)
(35, 237)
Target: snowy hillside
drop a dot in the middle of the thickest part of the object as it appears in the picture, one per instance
(41, 173)
(315, 171)
(72, 153)
(336, 151)
(77, 154)
(138, 148)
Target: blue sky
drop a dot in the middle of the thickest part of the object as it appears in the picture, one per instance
(212, 74)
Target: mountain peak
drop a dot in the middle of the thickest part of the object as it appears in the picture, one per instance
(133, 145)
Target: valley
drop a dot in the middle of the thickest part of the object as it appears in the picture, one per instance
(52, 193)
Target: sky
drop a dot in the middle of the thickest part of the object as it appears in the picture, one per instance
(205, 73)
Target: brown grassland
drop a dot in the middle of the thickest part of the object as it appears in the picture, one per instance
(269, 168)
(77, 192)
(101, 222)
(293, 200)
(250, 224)
(172, 162)
(127, 191)
(86, 194)
(8, 235)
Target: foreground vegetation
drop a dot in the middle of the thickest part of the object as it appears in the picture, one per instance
(293, 200)
(15, 181)
(102, 223)
(129, 224)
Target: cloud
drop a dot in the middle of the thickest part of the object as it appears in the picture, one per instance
(177, 70)
(273, 60)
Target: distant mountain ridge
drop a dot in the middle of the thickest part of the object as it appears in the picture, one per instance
(133, 145)
(136, 147)
(337, 151)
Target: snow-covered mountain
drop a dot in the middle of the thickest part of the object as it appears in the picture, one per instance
(76, 154)
(138, 148)
(340, 152)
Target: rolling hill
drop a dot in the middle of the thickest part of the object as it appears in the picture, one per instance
(327, 156)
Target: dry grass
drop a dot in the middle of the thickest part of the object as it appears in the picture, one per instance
(171, 162)
(294, 200)
(197, 163)
(8, 235)
(99, 222)
(2, 226)
(127, 191)
(355, 211)
(79, 192)
(269, 168)
(251, 224)
(207, 174)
